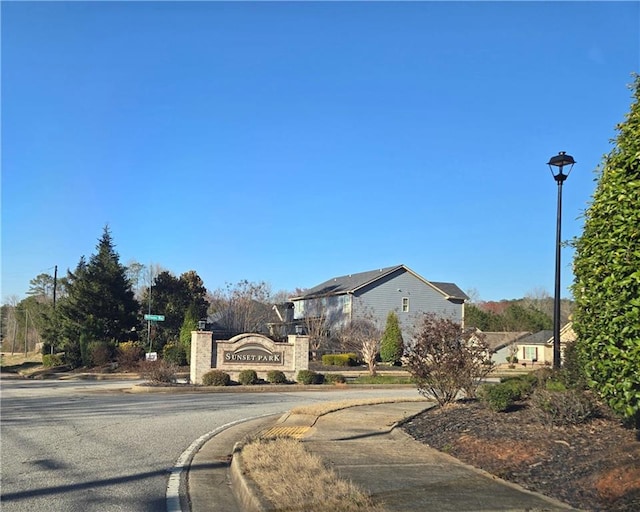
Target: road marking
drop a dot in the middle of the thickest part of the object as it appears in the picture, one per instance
(292, 432)
(175, 473)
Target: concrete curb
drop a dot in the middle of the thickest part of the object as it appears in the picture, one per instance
(250, 499)
(244, 488)
(260, 388)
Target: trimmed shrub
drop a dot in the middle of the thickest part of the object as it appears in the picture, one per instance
(606, 286)
(158, 372)
(334, 378)
(99, 353)
(521, 386)
(248, 377)
(174, 352)
(566, 407)
(216, 378)
(349, 359)
(276, 377)
(309, 377)
(128, 354)
(51, 360)
(499, 397)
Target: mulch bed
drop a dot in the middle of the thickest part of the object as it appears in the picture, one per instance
(593, 467)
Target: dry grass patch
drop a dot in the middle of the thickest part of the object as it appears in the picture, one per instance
(325, 408)
(299, 481)
(19, 363)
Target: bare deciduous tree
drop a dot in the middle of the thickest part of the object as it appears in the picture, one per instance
(316, 327)
(362, 335)
(446, 359)
(243, 307)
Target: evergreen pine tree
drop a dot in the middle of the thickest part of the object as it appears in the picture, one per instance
(392, 345)
(99, 305)
(607, 274)
(189, 324)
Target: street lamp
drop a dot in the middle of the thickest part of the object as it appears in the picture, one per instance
(561, 160)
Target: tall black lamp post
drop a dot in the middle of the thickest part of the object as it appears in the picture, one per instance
(560, 161)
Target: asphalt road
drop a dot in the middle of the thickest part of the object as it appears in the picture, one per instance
(85, 446)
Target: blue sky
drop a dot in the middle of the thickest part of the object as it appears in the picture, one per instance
(291, 142)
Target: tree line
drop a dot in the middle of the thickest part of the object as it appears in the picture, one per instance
(101, 304)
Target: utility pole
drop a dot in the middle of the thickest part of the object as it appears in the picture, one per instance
(149, 321)
(55, 284)
(26, 330)
(55, 319)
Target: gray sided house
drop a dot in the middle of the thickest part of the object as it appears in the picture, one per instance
(374, 294)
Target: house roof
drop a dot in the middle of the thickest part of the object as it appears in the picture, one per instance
(567, 334)
(539, 338)
(352, 282)
(498, 340)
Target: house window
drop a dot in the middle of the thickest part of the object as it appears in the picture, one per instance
(530, 353)
(405, 304)
(346, 305)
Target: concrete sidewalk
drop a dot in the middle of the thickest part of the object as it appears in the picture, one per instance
(362, 445)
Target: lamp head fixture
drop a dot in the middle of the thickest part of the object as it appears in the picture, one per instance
(561, 160)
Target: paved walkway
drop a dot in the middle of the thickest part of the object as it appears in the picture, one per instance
(362, 444)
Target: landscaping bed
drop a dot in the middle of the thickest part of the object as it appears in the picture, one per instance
(594, 466)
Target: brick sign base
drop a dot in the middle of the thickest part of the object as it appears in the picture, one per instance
(247, 352)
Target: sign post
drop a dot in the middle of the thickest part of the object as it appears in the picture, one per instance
(152, 318)
(155, 318)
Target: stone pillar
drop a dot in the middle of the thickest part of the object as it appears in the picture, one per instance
(301, 351)
(201, 355)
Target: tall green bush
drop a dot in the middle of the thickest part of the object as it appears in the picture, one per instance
(190, 323)
(607, 274)
(174, 352)
(392, 345)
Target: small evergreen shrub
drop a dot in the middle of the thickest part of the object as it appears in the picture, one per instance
(499, 397)
(521, 386)
(174, 352)
(99, 353)
(51, 360)
(248, 377)
(565, 407)
(349, 359)
(276, 377)
(158, 372)
(309, 377)
(334, 378)
(216, 378)
(392, 344)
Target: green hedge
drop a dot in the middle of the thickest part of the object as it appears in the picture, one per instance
(350, 359)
